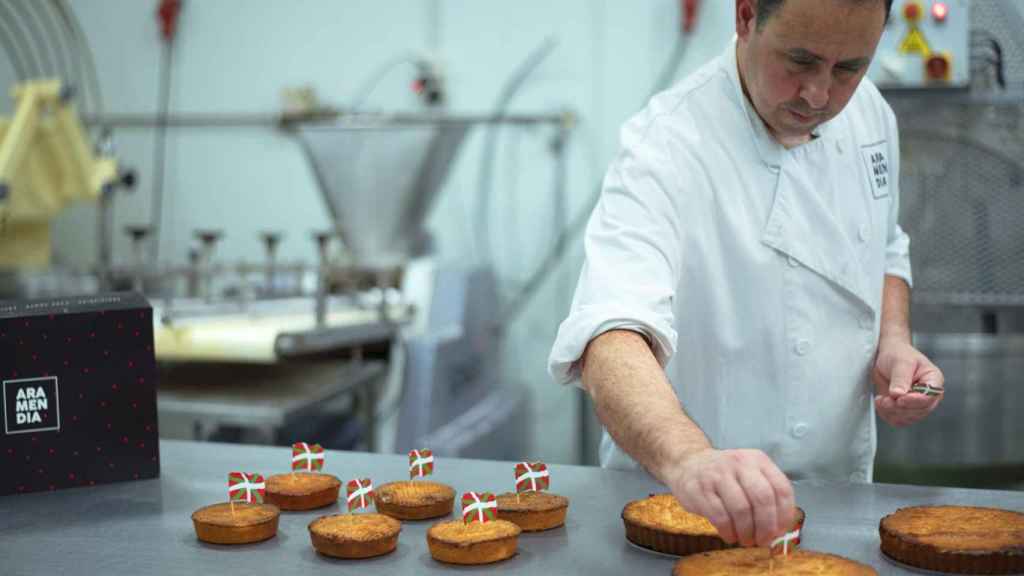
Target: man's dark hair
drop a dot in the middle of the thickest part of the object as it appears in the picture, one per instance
(765, 9)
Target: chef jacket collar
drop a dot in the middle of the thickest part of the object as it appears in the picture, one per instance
(770, 150)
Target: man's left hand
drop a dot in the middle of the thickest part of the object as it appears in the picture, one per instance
(898, 368)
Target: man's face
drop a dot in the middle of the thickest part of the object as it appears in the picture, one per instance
(803, 66)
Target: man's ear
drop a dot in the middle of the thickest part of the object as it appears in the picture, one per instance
(746, 17)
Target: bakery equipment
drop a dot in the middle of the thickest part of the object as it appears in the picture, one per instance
(46, 162)
(962, 187)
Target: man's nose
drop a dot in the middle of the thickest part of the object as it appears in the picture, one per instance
(815, 90)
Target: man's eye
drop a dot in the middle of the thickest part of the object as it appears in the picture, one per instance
(801, 61)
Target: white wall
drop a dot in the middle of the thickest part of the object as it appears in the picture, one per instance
(236, 56)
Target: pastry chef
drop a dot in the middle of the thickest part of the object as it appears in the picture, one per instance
(742, 312)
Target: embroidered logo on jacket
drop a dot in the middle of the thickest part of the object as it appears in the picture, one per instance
(876, 162)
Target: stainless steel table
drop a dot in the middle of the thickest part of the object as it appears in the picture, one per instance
(144, 527)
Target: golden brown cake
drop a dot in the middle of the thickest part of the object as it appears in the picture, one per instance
(302, 490)
(955, 539)
(354, 535)
(533, 511)
(660, 523)
(742, 561)
(419, 500)
(238, 524)
(456, 542)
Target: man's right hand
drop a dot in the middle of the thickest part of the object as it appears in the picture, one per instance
(742, 492)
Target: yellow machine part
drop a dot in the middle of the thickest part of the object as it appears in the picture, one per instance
(46, 162)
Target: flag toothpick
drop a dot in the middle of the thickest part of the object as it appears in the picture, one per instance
(246, 487)
(421, 463)
(532, 476)
(360, 493)
(307, 457)
(479, 507)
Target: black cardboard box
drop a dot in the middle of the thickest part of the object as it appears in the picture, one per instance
(79, 392)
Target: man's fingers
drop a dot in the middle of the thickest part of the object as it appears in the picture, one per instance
(762, 499)
(715, 512)
(915, 401)
(739, 509)
(901, 378)
(785, 501)
(884, 404)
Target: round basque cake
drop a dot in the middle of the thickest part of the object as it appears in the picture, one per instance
(302, 490)
(533, 511)
(354, 535)
(743, 561)
(456, 542)
(955, 539)
(660, 523)
(414, 500)
(240, 523)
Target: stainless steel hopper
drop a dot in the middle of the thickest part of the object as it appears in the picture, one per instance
(378, 179)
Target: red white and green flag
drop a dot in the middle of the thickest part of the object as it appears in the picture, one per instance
(360, 493)
(478, 507)
(782, 545)
(532, 476)
(421, 463)
(246, 487)
(308, 457)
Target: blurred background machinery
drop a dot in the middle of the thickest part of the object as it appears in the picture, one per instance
(270, 351)
(377, 341)
(962, 187)
(927, 44)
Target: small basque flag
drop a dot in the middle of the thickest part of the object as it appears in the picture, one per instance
(478, 507)
(246, 487)
(421, 463)
(308, 457)
(360, 493)
(532, 476)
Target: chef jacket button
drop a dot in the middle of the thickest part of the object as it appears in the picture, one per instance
(803, 346)
(799, 430)
(839, 146)
(869, 349)
(864, 233)
(793, 262)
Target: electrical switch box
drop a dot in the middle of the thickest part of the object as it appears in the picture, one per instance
(926, 44)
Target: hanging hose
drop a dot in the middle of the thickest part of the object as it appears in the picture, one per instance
(32, 68)
(92, 96)
(578, 224)
(486, 180)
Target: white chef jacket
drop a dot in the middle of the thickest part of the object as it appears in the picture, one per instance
(755, 271)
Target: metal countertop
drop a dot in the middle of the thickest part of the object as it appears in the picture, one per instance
(144, 527)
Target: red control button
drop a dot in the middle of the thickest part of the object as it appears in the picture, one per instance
(938, 67)
(939, 11)
(912, 11)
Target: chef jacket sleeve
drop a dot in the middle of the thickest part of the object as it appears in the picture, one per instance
(897, 249)
(632, 251)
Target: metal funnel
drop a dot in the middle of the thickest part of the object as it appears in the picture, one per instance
(378, 180)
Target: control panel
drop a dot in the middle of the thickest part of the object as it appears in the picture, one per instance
(926, 44)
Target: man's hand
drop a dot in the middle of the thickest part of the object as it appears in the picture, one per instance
(898, 368)
(747, 498)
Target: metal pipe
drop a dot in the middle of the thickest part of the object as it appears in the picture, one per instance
(17, 35)
(105, 236)
(333, 121)
(85, 54)
(322, 239)
(12, 51)
(50, 55)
